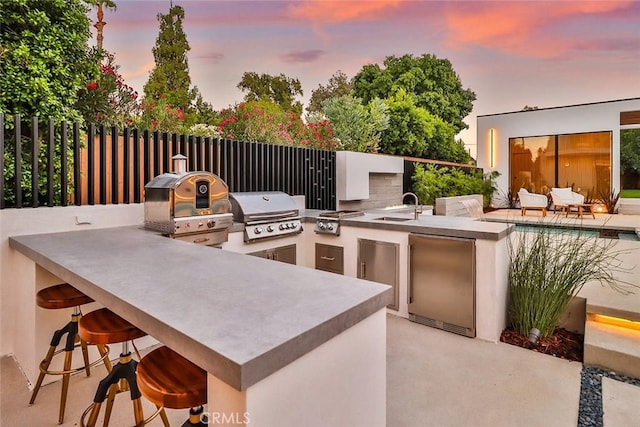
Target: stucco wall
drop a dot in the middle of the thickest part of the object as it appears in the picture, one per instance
(353, 176)
(15, 270)
(603, 116)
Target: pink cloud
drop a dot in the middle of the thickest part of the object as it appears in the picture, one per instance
(321, 13)
(332, 12)
(302, 55)
(518, 27)
(140, 72)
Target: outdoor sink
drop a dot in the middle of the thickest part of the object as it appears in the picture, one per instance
(392, 218)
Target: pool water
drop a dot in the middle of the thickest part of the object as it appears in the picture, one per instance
(602, 233)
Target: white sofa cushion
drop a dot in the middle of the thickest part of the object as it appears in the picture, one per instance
(532, 200)
(564, 194)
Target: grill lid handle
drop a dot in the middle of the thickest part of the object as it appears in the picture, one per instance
(262, 217)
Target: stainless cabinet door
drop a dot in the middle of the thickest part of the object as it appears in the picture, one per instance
(442, 279)
(378, 262)
(285, 254)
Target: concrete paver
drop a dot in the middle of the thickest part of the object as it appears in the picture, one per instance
(436, 378)
(621, 403)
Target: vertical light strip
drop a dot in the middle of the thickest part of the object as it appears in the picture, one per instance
(491, 148)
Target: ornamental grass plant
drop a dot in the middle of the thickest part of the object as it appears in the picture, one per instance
(549, 266)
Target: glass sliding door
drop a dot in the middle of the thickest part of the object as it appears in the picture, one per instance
(532, 163)
(584, 162)
(581, 161)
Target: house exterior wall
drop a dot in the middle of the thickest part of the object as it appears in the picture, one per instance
(596, 117)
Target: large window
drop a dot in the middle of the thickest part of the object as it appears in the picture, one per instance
(581, 161)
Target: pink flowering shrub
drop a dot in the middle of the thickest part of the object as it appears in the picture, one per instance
(106, 99)
(264, 121)
(160, 116)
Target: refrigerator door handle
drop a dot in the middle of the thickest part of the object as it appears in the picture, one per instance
(410, 290)
(363, 270)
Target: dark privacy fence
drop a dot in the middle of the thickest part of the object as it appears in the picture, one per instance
(60, 164)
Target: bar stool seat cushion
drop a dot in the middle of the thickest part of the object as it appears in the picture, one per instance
(61, 296)
(103, 326)
(169, 380)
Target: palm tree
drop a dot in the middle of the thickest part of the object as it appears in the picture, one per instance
(109, 4)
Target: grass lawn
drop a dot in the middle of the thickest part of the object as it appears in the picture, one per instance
(630, 194)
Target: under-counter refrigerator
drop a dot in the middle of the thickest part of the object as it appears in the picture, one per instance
(442, 282)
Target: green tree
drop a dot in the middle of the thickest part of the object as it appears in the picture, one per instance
(45, 57)
(170, 79)
(630, 151)
(460, 154)
(44, 62)
(413, 131)
(356, 127)
(433, 81)
(202, 111)
(280, 90)
(339, 85)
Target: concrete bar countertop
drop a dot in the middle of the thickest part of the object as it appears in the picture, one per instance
(239, 317)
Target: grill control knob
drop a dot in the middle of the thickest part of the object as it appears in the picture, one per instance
(257, 230)
(329, 227)
(270, 228)
(282, 227)
(321, 226)
(294, 225)
(211, 223)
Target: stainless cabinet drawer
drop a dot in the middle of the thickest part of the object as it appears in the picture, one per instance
(330, 258)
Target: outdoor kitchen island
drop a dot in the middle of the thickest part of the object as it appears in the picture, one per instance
(283, 345)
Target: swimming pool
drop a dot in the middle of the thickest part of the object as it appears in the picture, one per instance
(604, 233)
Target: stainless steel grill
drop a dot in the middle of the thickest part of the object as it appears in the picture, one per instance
(192, 206)
(265, 215)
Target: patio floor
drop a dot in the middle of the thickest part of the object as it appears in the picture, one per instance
(434, 378)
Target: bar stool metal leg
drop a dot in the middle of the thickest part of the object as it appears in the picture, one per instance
(196, 418)
(71, 331)
(111, 385)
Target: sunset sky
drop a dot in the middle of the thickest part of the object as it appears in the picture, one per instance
(510, 53)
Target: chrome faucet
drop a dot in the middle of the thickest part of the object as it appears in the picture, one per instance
(418, 207)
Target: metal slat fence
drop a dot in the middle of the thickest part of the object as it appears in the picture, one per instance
(58, 164)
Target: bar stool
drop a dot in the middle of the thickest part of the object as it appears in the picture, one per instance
(170, 381)
(103, 326)
(57, 297)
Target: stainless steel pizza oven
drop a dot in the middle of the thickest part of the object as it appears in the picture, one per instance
(192, 206)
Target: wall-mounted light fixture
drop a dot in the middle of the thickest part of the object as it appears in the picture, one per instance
(492, 160)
